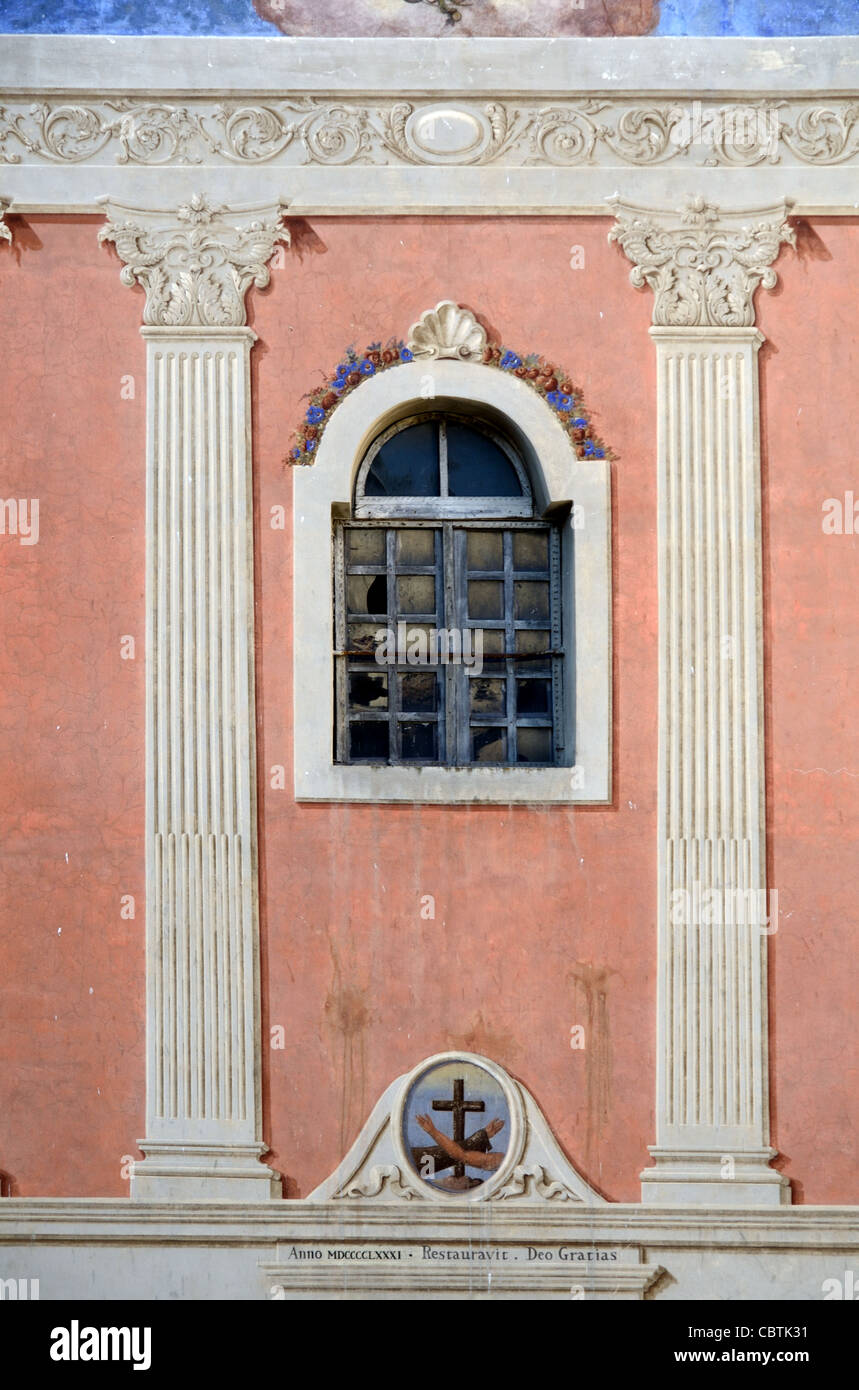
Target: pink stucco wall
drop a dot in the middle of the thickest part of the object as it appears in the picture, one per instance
(71, 716)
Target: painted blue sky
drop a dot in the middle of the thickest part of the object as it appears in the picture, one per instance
(238, 17)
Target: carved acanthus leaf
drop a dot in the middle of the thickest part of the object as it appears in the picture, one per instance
(702, 264)
(384, 1179)
(197, 263)
(448, 331)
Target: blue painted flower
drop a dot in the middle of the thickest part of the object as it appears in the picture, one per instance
(580, 423)
(309, 445)
(368, 367)
(510, 361)
(344, 369)
(296, 453)
(559, 400)
(315, 414)
(405, 355)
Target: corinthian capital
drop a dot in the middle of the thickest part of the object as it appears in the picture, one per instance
(703, 264)
(195, 262)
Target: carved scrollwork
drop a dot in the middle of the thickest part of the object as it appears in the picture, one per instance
(563, 136)
(383, 1179)
(253, 134)
(336, 135)
(532, 1181)
(824, 135)
(646, 135)
(196, 265)
(702, 265)
(70, 134)
(323, 131)
(161, 134)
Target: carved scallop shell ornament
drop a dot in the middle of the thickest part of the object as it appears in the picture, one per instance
(447, 331)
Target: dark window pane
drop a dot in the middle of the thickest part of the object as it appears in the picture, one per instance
(407, 466)
(416, 645)
(369, 739)
(418, 692)
(366, 545)
(531, 600)
(485, 598)
(534, 745)
(532, 697)
(488, 745)
(485, 550)
(416, 593)
(368, 692)
(487, 696)
(477, 466)
(418, 741)
(416, 547)
(530, 550)
(533, 640)
(367, 593)
(493, 641)
(362, 638)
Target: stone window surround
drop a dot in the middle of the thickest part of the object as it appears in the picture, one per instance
(325, 488)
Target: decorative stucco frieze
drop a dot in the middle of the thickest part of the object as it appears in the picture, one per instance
(325, 130)
(197, 263)
(702, 264)
(5, 232)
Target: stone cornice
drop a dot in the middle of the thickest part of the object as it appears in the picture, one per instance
(197, 262)
(147, 66)
(507, 125)
(703, 264)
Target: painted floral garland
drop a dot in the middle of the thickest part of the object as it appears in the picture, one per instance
(548, 380)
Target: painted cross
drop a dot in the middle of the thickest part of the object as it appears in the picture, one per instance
(459, 1106)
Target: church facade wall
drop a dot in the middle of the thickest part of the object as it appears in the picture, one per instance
(544, 917)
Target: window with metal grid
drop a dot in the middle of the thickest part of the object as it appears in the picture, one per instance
(447, 631)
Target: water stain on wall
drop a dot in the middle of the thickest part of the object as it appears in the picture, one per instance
(347, 1018)
(591, 1011)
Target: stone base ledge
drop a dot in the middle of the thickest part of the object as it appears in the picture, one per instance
(119, 1249)
(182, 1173)
(690, 1178)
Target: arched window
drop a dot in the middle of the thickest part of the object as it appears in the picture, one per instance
(448, 625)
(468, 516)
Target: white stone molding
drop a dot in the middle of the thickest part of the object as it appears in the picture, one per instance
(447, 331)
(197, 269)
(5, 232)
(702, 264)
(535, 1171)
(712, 1142)
(557, 476)
(363, 125)
(203, 1122)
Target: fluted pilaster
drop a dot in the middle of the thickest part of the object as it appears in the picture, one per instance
(203, 1048)
(712, 1142)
